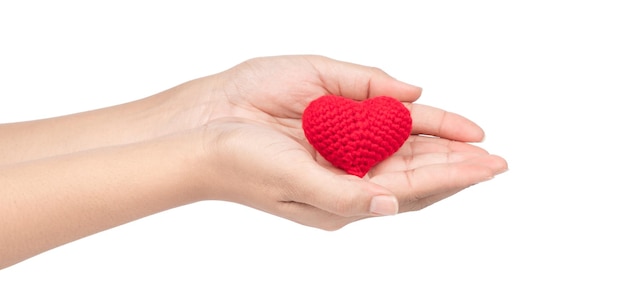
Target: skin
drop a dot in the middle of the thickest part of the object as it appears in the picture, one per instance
(233, 136)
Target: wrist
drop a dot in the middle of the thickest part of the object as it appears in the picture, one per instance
(184, 107)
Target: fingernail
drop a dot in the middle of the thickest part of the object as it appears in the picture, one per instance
(384, 205)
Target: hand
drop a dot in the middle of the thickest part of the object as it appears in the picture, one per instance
(244, 126)
(258, 156)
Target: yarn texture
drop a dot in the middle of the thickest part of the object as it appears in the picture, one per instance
(356, 135)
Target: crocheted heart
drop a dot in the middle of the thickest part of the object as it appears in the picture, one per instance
(356, 135)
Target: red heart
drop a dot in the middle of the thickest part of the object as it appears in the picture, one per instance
(353, 135)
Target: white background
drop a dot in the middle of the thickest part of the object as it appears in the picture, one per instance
(545, 79)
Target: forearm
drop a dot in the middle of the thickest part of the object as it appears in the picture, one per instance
(161, 114)
(50, 202)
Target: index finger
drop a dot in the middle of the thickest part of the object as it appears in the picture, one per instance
(437, 122)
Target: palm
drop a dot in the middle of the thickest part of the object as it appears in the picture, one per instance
(274, 91)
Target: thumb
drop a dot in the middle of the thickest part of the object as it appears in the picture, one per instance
(361, 82)
(345, 195)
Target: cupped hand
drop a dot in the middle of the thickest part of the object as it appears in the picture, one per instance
(258, 155)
